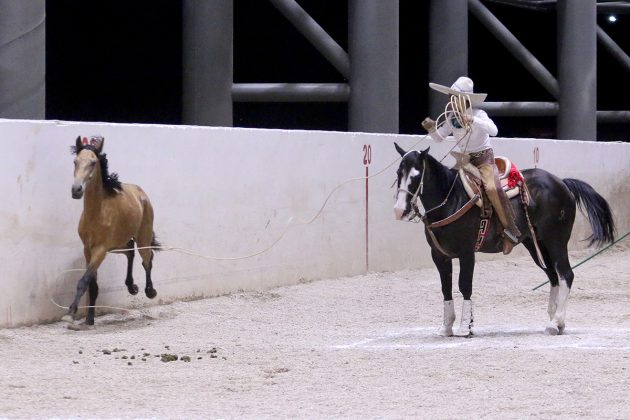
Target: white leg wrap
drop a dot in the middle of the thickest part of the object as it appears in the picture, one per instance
(557, 323)
(446, 330)
(553, 301)
(466, 323)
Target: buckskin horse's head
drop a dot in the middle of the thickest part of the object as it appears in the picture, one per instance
(409, 181)
(86, 163)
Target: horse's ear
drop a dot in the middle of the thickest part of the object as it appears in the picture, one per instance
(99, 145)
(426, 151)
(400, 149)
(78, 144)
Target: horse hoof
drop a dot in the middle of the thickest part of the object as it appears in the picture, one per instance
(150, 292)
(80, 327)
(67, 318)
(561, 330)
(463, 333)
(133, 289)
(445, 332)
(552, 330)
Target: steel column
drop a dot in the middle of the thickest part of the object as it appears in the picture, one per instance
(448, 47)
(207, 62)
(373, 38)
(577, 69)
(23, 59)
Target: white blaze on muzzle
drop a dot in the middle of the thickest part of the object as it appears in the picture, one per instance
(403, 196)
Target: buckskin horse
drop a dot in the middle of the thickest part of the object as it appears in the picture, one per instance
(115, 216)
(544, 211)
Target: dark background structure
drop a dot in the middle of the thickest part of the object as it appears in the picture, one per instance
(121, 61)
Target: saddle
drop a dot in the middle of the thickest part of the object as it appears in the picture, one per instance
(510, 177)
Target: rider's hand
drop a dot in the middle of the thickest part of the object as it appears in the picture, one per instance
(428, 124)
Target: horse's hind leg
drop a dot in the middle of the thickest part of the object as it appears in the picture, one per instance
(445, 268)
(131, 287)
(145, 242)
(147, 263)
(565, 276)
(550, 271)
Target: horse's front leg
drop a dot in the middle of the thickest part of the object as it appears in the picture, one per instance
(87, 280)
(466, 269)
(445, 268)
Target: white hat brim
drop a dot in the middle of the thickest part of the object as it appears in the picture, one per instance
(475, 98)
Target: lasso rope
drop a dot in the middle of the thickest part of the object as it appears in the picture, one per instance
(457, 107)
(81, 307)
(588, 258)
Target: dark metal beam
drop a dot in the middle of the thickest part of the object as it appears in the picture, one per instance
(520, 109)
(613, 116)
(290, 92)
(515, 47)
(315, 34)
(613, 48)
(545, 109)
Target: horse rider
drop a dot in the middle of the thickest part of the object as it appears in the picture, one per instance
(473, 138)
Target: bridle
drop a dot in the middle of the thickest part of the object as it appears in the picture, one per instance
(415, 209)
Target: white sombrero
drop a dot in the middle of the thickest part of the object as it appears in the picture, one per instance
(462, 87)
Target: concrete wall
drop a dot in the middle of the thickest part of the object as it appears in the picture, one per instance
(231, 192)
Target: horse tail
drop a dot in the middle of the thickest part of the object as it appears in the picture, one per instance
(156, 243)
(596, 208)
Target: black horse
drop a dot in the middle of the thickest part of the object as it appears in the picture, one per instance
(551, 212)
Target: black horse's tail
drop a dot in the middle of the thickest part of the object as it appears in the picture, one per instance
(156, 243)
(596, 208)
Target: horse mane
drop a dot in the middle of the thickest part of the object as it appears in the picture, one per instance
(111, 183)
(445, 176)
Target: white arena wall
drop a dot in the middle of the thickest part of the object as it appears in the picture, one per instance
(225, 192)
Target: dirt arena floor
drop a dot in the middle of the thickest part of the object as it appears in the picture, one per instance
(361, 347)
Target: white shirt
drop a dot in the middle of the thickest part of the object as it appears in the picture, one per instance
(477, 140)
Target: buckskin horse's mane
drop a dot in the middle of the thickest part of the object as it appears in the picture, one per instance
(110, 181)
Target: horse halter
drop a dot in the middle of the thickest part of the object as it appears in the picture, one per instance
(416, 213)
(414, 196)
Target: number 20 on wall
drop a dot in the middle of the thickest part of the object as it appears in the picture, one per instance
(367, 154)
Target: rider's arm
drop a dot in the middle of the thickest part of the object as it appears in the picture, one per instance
(481, 121)
(437, 134)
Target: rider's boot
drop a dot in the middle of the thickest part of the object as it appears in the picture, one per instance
(466, 322)
(502, 206)
(446, 330)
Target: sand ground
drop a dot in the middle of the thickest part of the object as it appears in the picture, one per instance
(361, 347)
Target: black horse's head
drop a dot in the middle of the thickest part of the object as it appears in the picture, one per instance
(409, 178)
